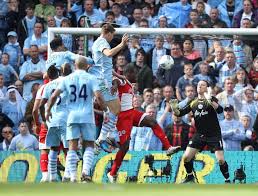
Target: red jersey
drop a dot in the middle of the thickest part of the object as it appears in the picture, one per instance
(125, 92)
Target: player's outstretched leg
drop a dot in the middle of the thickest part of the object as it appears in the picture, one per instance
(157, 130)
(106, 128)
(112, 175)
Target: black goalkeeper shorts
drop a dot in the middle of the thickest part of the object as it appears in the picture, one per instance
(199, 141)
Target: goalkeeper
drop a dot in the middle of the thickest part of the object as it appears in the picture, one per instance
(205, 108)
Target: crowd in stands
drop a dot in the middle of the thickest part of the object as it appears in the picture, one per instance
(229, 64)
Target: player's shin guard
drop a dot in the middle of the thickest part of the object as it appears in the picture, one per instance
(157, 130)
(72, 160)
(189, 167)
(107, 127)
(117, 162)
(88, 157)
(224, 170)
(52, 165)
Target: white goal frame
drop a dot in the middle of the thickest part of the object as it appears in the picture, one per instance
(152, 31)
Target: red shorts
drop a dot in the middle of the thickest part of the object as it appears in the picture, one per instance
(126, 121)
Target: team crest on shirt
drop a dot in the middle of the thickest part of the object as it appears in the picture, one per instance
(200, 106)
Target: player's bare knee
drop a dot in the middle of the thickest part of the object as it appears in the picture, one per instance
(88, 144)
(186, 158)
(221, 161)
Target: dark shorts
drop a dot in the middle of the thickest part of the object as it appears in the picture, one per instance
(199, 142)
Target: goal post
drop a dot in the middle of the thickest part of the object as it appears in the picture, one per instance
(153, 31)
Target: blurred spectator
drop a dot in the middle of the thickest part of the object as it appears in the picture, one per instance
(253, 74)
(134, 45)
(229, 68)
(4, 121)
(36, 39)
(246, 23)
(137, 16)
(215, 20)
(110, 18)
(74, 9)
(217, 64)
(7, 70)
(119, 18)
(25, 26)
(194, 21)
(14, 106)
(207, 6)
(51, 22)
(146, 13)
(170, 77)
(127, 9)
(159, 5)
(13, 15)
(157, 97)
(183, 81)
(143, 138)
(242, 52)
(14, 50)
(247, 12)
(226, 96)
(147, 98)
(7, 134)
(137, 102)
(67, 39)
(232, 130)
(245, 103)
(3, 90)
(177, 13)
(19, 86)
(24, 140)
(3, 22)
(146, 41)
(59, 16)
(249, 134)
(192, 55)
(44, 9)
(154, 55)
(144, 76)
(32, 72)
(203, 17)
(203, 75)
(179, 133)
(120, 63)
(240, 79)
(103, 7)
(93, 14)
(162, 22)
(228, 9)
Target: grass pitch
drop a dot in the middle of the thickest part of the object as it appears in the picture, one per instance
(126, 190)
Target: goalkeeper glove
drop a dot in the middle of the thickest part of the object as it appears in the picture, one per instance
(207, 94)
(174, 105)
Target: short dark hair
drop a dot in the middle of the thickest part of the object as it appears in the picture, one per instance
(107, 28)
(23, 121)
(56, 42)
(30, 5)
(129, 68)
(52, 72)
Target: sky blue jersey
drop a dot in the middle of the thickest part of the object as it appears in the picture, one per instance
(103, 65)
(59, 58)
(59, 110)
(80, 87)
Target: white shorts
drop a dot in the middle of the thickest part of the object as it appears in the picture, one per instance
(85, 130)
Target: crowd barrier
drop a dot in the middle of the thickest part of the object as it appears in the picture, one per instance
(139, 167)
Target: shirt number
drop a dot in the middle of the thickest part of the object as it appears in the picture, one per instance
(82, 93)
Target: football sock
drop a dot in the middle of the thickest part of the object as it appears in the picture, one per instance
(224, 170)
(88, 157)
(67, 171)
(157, 130)
(117, 162)
(52, 164)
(72, 162)
(107, 127)
(189, 167)
(43, 162)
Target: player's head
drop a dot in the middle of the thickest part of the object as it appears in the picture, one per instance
(81, 63)
(130, 73)
(57, 44)
(66, 69)
(52, 72)
(202, 87)
(107, 31)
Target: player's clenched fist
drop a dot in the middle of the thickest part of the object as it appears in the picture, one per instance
(125, 39)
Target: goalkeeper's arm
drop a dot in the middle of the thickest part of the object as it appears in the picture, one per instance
(179, 111)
